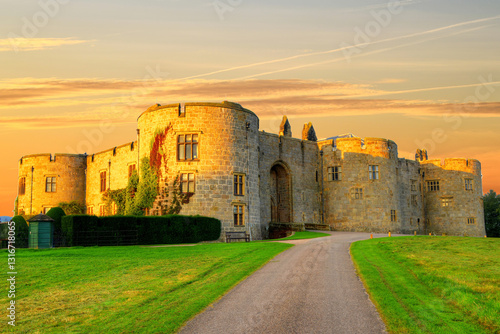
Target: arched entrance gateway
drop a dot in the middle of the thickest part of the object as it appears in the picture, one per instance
(280, 195)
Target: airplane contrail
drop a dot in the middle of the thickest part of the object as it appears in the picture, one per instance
(342, 48)
(359, 55)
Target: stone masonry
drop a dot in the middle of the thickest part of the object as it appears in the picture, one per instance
(248, 179)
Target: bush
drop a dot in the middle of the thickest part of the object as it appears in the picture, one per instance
(22, 232)
(84, 230)
(57, 214)
(79, 230)
(72, 208)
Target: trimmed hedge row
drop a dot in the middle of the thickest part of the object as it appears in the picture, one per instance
(85, 230)
(21, 232)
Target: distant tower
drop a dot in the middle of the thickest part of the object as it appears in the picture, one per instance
(285, 128)
(308, 132)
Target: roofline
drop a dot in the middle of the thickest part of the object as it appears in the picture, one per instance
(224, 104)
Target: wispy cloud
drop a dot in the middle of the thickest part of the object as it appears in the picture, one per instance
(79, 102)
(343, 49)
(32, 44)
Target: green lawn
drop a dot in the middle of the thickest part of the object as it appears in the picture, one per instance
(305, 235)
(433, 284)
(126, 289)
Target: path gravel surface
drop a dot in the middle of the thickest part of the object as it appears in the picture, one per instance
(310, 288)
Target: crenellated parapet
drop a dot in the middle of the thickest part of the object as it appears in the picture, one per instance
(377, 147)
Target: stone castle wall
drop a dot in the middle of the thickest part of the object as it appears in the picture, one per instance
(115, 164)
(357, 203)
(68, 171)
(227, 142)
(285, 179)
(298, 161)
(450, 208)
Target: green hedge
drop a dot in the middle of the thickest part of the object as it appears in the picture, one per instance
(85, 230)
(77, 230)
(21, 230)
(57, 214)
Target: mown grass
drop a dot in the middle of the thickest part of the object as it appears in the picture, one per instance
(305, 235)
(126, 289)
(433, 284)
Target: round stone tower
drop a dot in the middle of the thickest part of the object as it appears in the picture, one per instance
(453, 197)
(361, 188)
(46, 180)
(211, 149)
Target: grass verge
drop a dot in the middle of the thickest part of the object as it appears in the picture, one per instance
(432, 284)
(126, 289)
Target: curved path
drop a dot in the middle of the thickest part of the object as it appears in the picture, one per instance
(310, 288)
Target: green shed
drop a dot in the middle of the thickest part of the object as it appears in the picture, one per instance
(41, 231)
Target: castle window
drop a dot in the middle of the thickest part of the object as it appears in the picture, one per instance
(187, 147)
(239, 184)
(433, 185)
(131, 169)
(46, 209)
(471, 221)
(373, 172)
(90, 210)
(50, 184)
(182, 110)
(413, 185)
(187, 183)
(357, 193)
(335, 173)
(414, 200)
(102, 210)
(103, 181)
(446, 201)
(239, 214)
(469, 184)
(22, 186)
(393, 216)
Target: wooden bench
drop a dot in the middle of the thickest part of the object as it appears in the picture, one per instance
(237, 236)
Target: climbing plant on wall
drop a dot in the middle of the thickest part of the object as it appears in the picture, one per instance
(142, 192)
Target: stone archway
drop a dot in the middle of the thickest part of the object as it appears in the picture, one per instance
(280, 195)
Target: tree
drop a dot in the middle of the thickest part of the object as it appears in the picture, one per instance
(72, 208)
(492, 214)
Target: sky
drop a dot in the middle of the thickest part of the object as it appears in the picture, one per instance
(424, 73)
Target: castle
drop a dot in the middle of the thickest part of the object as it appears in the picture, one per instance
(249, 178)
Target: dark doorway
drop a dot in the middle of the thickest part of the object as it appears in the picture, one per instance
(280, 195)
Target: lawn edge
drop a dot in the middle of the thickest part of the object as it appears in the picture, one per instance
(230, 289)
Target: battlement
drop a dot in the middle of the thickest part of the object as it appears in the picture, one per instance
(124, 148)
(377, 147)
(179, 106)
(455, 164)
(43, 157)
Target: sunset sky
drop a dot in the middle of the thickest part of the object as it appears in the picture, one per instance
(424, 73)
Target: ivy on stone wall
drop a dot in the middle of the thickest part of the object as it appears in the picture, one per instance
(142, 192)
(72, 208)
(114, 196)
(158, 152)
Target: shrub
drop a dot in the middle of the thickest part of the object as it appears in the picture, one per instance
(57, 214)
(22, 232)
(78, 230)
(84, 230)
(72, 208)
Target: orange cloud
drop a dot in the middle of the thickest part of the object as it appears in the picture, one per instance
(32, 44)
(97, 99)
